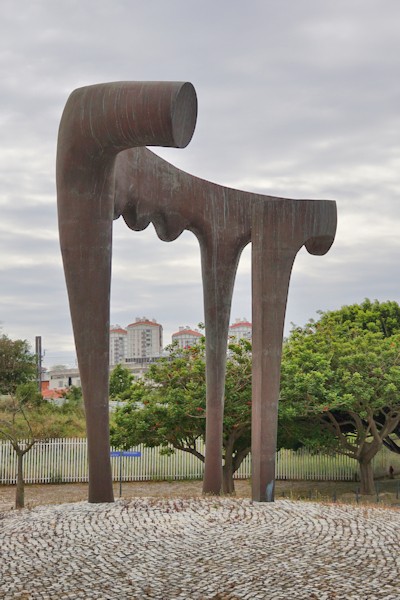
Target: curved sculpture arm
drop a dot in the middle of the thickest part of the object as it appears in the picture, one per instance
(148, 190)
(110, 117)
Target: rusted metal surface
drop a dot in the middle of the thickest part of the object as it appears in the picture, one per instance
(98, 122)
(103, 172)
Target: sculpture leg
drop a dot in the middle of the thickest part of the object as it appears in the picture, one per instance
(85, 236)
(271, 268)
(98, 122)
(219, 267)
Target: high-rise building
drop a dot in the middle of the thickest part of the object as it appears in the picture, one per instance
(144, 339)
(186, 337)
(118, 345)
(241, 329)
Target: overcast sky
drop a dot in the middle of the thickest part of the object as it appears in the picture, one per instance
(296, 98)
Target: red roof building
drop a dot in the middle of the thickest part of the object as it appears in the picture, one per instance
(186, 337)
(241, 329)
(118, 345)
(144, 339)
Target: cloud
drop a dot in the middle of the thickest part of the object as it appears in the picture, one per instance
(295, 99)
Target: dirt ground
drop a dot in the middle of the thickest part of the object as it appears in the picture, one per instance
(37, 495)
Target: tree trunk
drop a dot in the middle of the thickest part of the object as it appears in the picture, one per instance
(20, 491)
(367, 484)
(228, 485)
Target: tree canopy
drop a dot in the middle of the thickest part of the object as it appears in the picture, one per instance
(120, 383)
(17, 364)
(340, 384)
(372, 316)
(342, 373)
(167, 407)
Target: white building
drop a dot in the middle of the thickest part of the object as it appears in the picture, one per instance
(61, 377)
(186, 337)
(241, 329)
(144, 339)
(118, 345)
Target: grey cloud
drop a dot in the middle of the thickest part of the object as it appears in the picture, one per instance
(295, 99)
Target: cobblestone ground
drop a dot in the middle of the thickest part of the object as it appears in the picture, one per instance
(200, 549)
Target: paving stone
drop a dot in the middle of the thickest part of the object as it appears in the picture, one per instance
(200, 549)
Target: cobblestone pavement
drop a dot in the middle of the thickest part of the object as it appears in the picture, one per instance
(200, 549)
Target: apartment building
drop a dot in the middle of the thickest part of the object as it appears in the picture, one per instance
(241, 329)
(118, 345)
(144, 339)
(186, 337)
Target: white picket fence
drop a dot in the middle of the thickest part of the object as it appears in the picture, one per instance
(65, 460)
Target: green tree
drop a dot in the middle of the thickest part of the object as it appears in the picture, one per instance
(376, 317)
(73, 400)
(167, 407)
(120, 383)
(341, 379)
(28, 393)
(25, 419)
(17, 364)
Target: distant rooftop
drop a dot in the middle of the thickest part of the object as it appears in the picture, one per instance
(240, 322)
(187, 331)
(144, 321)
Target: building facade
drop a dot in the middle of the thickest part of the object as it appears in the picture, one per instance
(144, 339)
(136, 347)
(241, 329)
(118, 345)
(186, 337)
(61, 378)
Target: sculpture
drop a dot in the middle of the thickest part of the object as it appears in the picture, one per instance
(103, 172)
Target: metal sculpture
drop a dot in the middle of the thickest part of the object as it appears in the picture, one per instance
(103, 172)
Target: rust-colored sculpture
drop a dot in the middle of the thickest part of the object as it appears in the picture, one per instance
(103, 171)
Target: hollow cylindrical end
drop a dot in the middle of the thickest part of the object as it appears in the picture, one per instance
(184, 115)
